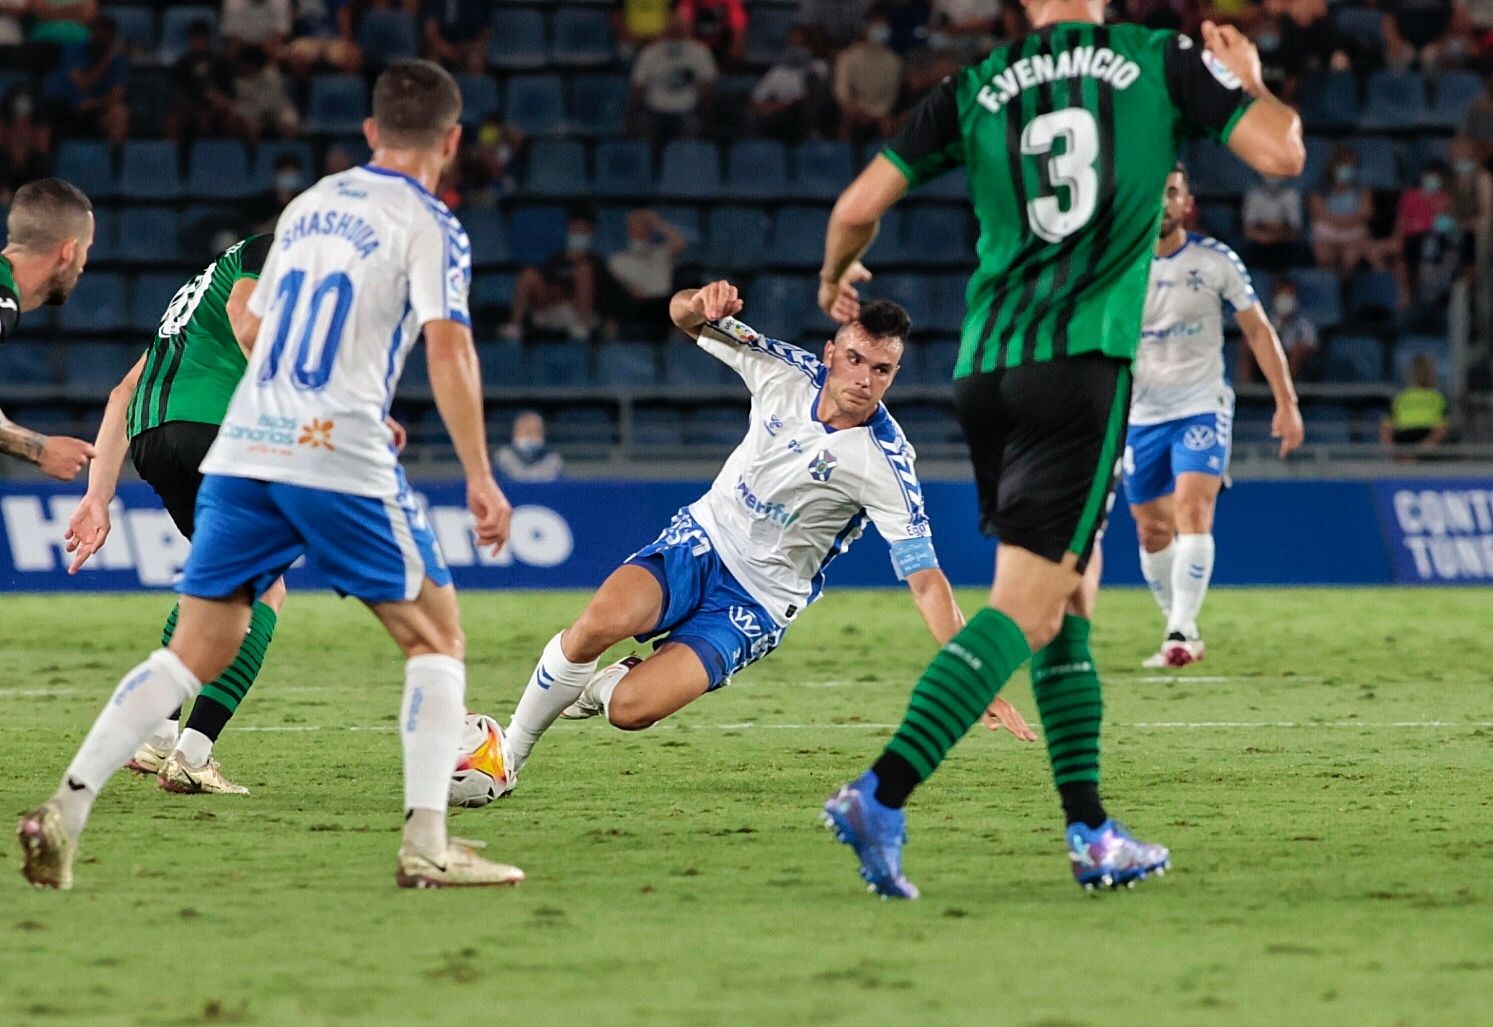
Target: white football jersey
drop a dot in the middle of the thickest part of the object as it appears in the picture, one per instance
(1179, 363)
(361, 262)
(796, 493)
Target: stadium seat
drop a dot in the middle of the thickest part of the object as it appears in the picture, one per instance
(951, 185)
(1321, 297)
(716, 425)
(150, 294)
(1373, 295)
(488, 238)
(149, 170)
(559, 363)
(767, 33)
(583, 37)
(626, 364)
(656, 426)
(96, 367)
(105, 237)
(137, 27)
(502, 364)
(270, 151)
(947, 313)
(149, 235)
(337, 104)
(1423, 150)
(415, 377)
(937, 235)
(536, 232)
(492, 292)
(624, 168)
(1331, 424)
(690, 169)
(691, 226)
(1221, 221)
(939, 359)
(1318, 153)
(518, 42)
(782, 305)
(598, 104)
(174, 25)
(1330, 102)
(1364, 422)
(1363, 24)
(1455, 92)
(1394, 100)
(913, 292)
(1378, 163)
(479, 97)
(798, 236)
(690, 366)
(536, 104)
(757, 169)
(1408, 347)
(611, 229)
(888, 248)
(1215, 172)
(219, 169)
(1354, 359)
(387, 35)
(557, 168)
(1264, 283)
(927, 424)
(28, 364)
(821, 169)
(89, 165)
(98, 304)
(579, 427)
(1252, 425)
(738, 238)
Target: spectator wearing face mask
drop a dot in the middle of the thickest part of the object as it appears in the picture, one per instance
(558, 298)
(788, 103)
(673, 81)
(527, 457)
(260, 100)
(1298, 336)
(719, 24)
(1340, 217)
(1471, 189)
(489, 162)
(1272, 224)
(868, 80)
(289, 181)
(641, 277)
(1419, 207)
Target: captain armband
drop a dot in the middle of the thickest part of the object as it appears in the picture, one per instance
(912, 555)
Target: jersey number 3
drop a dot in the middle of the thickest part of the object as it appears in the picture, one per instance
(1072, 169)
(309, 370)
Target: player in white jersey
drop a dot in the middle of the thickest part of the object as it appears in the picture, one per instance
(717, 590)
(1182, 414)
(363, 262)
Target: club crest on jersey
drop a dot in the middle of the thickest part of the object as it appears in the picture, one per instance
(1194, 280)
(1199, 437)
(317, 435)
(823, 465)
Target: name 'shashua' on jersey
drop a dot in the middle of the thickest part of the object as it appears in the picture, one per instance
(1101, 63)
(339, 224)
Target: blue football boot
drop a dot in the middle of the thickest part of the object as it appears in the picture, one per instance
(875, 832)
(1108, 856)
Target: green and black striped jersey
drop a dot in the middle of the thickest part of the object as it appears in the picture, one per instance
(1067, 136)
(195, 363)
(10, 300)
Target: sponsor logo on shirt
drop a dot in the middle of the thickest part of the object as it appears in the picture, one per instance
(764, 509)
(317, 435)
(273, 431)
(773, 424)
(823, 465)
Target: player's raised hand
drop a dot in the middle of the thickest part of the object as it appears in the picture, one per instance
(87, 530)
(1236, 52)
(62, 457)
(717, 300)
(492, 512)
(841, 300)
(1002, 714)
(1287, 426)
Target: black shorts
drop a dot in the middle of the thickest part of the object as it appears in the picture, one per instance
(167, 457)
(1046, 440)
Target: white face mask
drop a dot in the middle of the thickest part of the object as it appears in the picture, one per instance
(1285, 305)
(879, 34)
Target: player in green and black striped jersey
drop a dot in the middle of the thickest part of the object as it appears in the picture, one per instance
(168, 410)
(1067, 136)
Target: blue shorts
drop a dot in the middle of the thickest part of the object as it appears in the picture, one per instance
(705, 607)
(249, 532)
(1156, 453)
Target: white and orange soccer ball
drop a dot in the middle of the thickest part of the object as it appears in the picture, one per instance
(480, 775)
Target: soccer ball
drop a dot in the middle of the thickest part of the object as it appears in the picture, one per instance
(480, 775)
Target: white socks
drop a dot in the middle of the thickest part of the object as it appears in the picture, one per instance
(554, 685)
(195, 747)
(1156, 568)
(1191, 572)
(430, 731)
(164, 736)
(141, 701)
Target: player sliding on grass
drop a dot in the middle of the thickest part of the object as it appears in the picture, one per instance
(363, 262)
(720, 586)
(1182, 414)
(1068, 135)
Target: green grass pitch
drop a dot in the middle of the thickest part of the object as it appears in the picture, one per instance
(1323, 780)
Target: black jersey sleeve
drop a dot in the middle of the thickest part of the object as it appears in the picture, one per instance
(1206, 94)
(930, 141)
(254, 254)
(10, 312)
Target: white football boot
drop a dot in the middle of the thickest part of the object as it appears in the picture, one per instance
(149, 758)
(176, 776)
(586, 704)
(460, 867)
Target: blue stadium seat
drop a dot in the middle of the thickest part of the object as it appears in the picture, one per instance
(29, 364)
(598, 104)
(1455, 92)
(148, 97)
(1408, 347)
(479, 97)
(951, 185)
(1318, 153)
(588, 427)
(821, 169)
(1252, 425)
(174, 25)
(783, 305)
(1373, 295)
(98, 304)
(912, 291)
(486, 233)
(387, 35)
(938, 235)
(492, 290)
(624, 167)
(518, 42)
(559, 363)
(105, 237)
(1364, 24)
(655, 426)
(1394, 100)
(1264, 283)
(502, 363)
(415, 378)
(137, 27)
(690, 225)
(1378, 163)
(149, 235)
(888, 249)
(536, 104)
(1331, 424)
(583, 37)
(767, 33)
(1221, 221)
(716, 425)
(96, 367)
(947, 315)
(690, 169)
(89, 165)
(150, 294)
(1214, 171)
(536, 232)
(219, 169)
(1364, 423)
(927, 424)
(1321, 298)
(688, 365)
(1330, 101)
(611, 230)
(268, 152)
(1423, 150)
(939, 359)
(738, 238)
(627, 364)
(149, 170)
(757, 169)
(1354, 359)
(337, 104)
(798, 236)
(557, 168)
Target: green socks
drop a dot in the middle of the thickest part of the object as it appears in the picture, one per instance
(220, 698)
(1066, 687)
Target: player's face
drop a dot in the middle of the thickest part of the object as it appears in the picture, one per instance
(65, 279)
(1176, 204)
(858, 372)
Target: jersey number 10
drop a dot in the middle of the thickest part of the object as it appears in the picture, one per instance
(1072, 169)
(309, 370)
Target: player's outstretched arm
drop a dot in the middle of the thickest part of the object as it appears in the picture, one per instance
(456, 383)
(88, 527)
(690, 309)
(58, 456)
(245, 324)
(852, 229)
(1264, 343)
(1268, 136)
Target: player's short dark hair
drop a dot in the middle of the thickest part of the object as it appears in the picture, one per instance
(884, 320)
(415, 102)
(46, 212)
(1181, 169)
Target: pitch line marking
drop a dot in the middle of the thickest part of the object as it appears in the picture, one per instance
(1182, 725)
